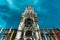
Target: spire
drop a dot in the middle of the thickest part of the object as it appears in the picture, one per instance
(29, 9)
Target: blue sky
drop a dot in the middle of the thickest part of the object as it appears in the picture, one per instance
(48, 12)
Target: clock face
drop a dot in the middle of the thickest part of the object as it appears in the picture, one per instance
(28, 22)
(28, 39)
(28, 33)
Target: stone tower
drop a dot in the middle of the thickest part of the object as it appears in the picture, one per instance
(28, 28)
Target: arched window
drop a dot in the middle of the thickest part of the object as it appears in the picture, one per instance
(28, 22)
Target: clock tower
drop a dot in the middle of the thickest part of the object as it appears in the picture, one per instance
(28, 28)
